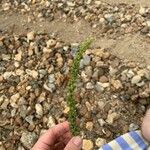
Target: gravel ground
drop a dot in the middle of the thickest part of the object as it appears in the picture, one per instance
(112, 94)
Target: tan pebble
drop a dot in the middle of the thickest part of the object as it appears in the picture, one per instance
(66, 110)
(51, 43)
(70, 61)
(88, 105)
(13, 100)
(100, 142)
(47, 50)
(30, 35)
(103, 79)
(89, 126)
(51, 122)
(60, 62)
(18, 56)
(11, 89)
(19, 72)
(112, 117)
(116, 84)
(87, 145)
(142, 10)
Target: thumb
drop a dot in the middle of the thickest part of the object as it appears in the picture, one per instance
(74, 144)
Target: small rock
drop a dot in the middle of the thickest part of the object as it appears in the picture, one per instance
(86, 60)
(145, 30)
(51, 122)
(28, 139)
(14, 99)
(51, 43)
(89, 86)
(6, 6)
(95, 74)
(47, 50)
(130, 74)
(112, 71)
(100, 142)
(88, 71)
(84, 77)
(99, 87)
(66, 110)
(133, 127)
(142, 11)
(89, 126)
(51, 78)
(98, 3)
(30, 35)
(39, 110)
(29, 119)
(7, 75)
(59, 62)
(88, 105)
(32, 73)
(71, 4)
(87, 145)
(112, 117)
(103, 79)
(109, 17)
(116, 84)
(18, 56)
(101, 122)
(4, 104)
(50, 87)
(136, 79)
(148, 23)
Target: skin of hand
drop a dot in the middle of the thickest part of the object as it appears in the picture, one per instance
(146, 126)
(58, 138)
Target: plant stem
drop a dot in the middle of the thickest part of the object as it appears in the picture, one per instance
(72, 86)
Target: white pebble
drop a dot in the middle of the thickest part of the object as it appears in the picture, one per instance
(39, 110)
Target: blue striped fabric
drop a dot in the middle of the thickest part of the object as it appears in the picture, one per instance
(129, 141)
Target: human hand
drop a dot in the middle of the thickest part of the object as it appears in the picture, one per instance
(146, 126)
(58, 138)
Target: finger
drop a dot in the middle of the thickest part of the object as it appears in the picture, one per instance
(60, 146)
(74, 144)
(65, 138)
(146, 126)
(50, 137)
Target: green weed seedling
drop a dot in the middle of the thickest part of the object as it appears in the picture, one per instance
(72, 115)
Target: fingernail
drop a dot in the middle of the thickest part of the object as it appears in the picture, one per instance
(77, 141)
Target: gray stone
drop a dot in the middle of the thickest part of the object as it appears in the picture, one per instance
(133, 127)
(51, 78)
(136, 79)
(29, 119)
(86, 60)
(130, 74)
(23, 111)
(28, 139)
(112, 71)
(50, 87)
(99, 87)
(89, 86)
